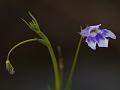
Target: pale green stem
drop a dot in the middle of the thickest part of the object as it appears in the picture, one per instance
(34, 26)
(61, 65)
(69, 81)
(55, 67)
(54, 62)
(23, 42)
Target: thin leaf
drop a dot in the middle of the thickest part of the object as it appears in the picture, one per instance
(26, 23)
(34, 20)
(32, 17)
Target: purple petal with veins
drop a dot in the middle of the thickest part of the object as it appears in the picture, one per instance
(94, 35)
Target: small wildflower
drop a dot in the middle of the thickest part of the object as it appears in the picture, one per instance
(94, 35)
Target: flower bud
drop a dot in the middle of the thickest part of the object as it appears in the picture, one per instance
(9, 67)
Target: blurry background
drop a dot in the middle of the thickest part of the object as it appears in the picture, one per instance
(60, 20)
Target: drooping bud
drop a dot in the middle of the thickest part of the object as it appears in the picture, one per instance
(9, 67)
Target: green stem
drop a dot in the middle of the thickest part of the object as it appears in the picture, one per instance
(61, 65)
(23, 42)
(55, 67)
(35, 27)
(68, 84)
(54, 61)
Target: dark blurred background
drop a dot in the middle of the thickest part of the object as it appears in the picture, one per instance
(59, 20)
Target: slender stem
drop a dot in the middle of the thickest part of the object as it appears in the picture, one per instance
(23, 42)
(68, 84)
(61, 65)
(55, 67)
(35, 27)
(54, 62)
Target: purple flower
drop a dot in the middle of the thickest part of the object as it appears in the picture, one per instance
(94, 35)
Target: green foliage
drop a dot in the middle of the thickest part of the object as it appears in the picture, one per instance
(33, 25)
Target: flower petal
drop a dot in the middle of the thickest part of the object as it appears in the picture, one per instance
(103, 43)
(94, 35)
(99, 36)
(91, 42)
(94, 27)
(108, 33)
(86, 32)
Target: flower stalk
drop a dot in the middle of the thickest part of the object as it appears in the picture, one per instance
(69, 81)
(33, 25)
(61, 65)
(55, 67)
(19, 44)
(9, 66)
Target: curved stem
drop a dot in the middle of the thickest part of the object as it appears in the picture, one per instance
(68, 84)
(23, 42)
(54, 62)
(55, 67)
